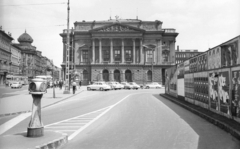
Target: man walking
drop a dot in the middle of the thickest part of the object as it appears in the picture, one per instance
(80, 83)
(74, 84)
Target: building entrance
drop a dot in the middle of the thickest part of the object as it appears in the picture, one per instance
(117, 75)
(128, 76)
(105, 75)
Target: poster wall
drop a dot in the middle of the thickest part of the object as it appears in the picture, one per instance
(236, 93)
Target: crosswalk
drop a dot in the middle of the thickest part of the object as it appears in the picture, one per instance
(75, 125)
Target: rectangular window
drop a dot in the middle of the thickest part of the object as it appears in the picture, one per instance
(117, 56)
(149, 56)
(85, 55)
(106, 55)
(128, 55)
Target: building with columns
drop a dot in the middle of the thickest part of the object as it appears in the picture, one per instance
(120, 50)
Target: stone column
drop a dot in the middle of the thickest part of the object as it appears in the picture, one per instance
(123, 76)
(141, 52)
(111, 75)
(93, 51)
(134, 50)
(122, 53)
(159, 49)
(172, 52)
(111, 50)
(100, 50)
(81, 51)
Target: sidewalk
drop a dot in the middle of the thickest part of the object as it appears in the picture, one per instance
(51, 139)
(24, 101)
(222, 122)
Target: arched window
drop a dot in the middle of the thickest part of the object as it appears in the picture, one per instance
(128, 76)
(117, 75)
(85, 75)
(105, 75)
(149, 75)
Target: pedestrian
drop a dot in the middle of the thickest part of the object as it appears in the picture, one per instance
(80, 83)
(74, 84)
(60, 84)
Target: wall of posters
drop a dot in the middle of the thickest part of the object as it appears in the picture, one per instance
(235, 104)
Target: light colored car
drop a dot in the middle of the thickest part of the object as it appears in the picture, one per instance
(120, 85)
(114, 85)
(102, 86)
(16, 85)
(135, 85)
(153, 85)
(127, 85)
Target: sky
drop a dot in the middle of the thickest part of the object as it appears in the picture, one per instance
(201, 24)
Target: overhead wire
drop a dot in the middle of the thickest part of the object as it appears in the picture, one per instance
(33, 4)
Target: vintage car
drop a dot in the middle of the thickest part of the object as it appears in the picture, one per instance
(135, 85)
(16, 85)
(127, 85)
(102, 86)
(153, 85)
(115, 85)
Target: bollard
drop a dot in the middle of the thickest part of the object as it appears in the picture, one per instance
(37, 88)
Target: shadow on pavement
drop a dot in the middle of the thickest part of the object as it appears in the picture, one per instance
(205, 138)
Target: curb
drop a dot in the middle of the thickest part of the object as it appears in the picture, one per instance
(54, 144)
(21, 112)
(235, 133)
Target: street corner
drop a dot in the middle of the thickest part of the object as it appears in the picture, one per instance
(50, 139)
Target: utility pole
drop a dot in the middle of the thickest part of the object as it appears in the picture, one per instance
(53, 80)
(67, 83)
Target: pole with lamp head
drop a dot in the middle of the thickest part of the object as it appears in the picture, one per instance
(67, 86)
(53, 80)
(152, 49)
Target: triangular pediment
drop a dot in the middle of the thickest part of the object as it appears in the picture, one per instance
(117, 27)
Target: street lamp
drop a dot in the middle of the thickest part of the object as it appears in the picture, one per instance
(153, 49)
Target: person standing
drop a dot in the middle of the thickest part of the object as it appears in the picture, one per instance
(80, 83)
(74, 84)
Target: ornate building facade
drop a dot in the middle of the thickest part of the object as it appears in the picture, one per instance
(5, 55)
(120, 50)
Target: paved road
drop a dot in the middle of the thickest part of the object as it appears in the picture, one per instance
(8, 91)
(129, 119)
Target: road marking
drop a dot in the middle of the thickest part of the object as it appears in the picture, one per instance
(11, 123)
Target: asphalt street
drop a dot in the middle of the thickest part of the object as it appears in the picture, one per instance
(129, 119)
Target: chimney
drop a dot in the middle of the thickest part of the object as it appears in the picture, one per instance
(178, 48)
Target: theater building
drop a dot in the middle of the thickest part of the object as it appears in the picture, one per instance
(120, 50)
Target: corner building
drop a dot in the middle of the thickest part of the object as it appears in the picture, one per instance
(120, 50)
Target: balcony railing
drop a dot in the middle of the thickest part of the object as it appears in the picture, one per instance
(169, 30)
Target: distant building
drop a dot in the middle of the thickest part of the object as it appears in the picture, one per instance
(120, 50)
(5, 55)
(182, 54)
(16, 56)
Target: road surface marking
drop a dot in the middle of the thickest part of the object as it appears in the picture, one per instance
(96, 118)
(11, 123)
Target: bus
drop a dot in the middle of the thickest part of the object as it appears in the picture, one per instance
(48, 79)
(16, 78)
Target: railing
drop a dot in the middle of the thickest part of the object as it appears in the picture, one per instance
(169, 30)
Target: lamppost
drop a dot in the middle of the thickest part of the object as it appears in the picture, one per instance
(67, 86)
(51, 69)
(153, 49)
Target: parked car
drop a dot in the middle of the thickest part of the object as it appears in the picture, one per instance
(98, 86)
(114, 85)
(135, 85)
(120, 85)
(153, 85)
(16, 85)
(127, 85)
